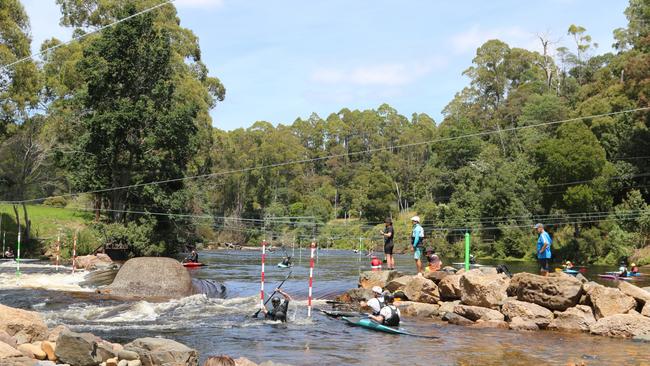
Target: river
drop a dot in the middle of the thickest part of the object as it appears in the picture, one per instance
(216, 326)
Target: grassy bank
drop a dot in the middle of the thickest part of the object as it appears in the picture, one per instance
(46, 224)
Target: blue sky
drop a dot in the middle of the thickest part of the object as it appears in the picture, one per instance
(284, 59)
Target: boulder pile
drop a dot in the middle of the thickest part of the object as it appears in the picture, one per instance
(525, 302)
(25, 340)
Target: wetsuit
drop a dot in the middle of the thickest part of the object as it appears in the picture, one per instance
(279, 312)
(417, 240)
(194, 257)
(388, 240)
(391, 315)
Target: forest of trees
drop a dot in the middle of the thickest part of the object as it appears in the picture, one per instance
(560, 137)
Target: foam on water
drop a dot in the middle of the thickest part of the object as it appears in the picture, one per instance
(47, 281)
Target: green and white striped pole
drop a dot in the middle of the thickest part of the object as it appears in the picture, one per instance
(18, 255)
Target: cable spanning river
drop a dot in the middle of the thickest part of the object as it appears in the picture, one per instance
(216, 326)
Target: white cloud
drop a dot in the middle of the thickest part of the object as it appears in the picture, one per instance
(474, 37)
(387, 74)
(202, 4)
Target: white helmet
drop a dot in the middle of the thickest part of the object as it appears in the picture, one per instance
(415, 218)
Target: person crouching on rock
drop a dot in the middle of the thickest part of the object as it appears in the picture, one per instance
(434, 261)
(389, 314)
(375, 263)
(280, 308)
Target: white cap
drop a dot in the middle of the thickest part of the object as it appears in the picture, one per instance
(377, 289)
(537, 226)
(415, 218)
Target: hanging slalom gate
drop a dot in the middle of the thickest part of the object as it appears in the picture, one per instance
(74, 252)
(312, 262)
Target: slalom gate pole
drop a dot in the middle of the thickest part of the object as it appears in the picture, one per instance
(74, 251)
(58, 249)
(262, 281)
(311, 278)
(18, 256)
(466, 251)
(4, 236)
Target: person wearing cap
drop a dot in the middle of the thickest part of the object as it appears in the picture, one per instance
(634, 269)
(543, 249)
(388, 233)
(622, 270)
(417, 240)
(377, 302)
(434, 261)
(280, 308)
(568, 265)
(389, 313)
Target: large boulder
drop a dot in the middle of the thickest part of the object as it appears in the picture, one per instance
(608, 301)
(398, 284)
(418, 309)
(436, 276)
(79, 349)
(518, 323)
(25, 326)
(646, 310)
(355, 295)
(93, 261)
(514, 308)
(151, 277)
(368, 279)
(53, 335)
(475, 313)
(421, 289)
(489, 291)
(557, 291)
(450, 288)
(456, 319)
(6, 338)
(621, 325)
(492, 324)
(160, 351)
(576, 319)
(640, 295)
(7, 351)
(447, 306)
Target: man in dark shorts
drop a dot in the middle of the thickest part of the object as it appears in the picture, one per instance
(280, 308)
(543, 249)
(388, 233)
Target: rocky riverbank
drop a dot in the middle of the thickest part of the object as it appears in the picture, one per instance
(25, 340)
(483, 298)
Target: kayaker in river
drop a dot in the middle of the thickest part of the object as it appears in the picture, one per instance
(634, 269)
(286, 261)
(389, 314)
(377, 302)
(9, 253)
(280, 308)
(417, 240)
(193, 257)
(622, 270)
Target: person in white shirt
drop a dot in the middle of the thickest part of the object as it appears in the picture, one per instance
(389, 314)
(377, 302)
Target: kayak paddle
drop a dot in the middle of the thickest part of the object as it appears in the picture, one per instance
(270, 297)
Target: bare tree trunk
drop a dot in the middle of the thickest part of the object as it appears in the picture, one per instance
(28, 223)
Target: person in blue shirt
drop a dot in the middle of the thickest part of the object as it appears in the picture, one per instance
(543, 249)
(417, 240)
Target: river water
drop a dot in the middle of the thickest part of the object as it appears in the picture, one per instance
(216, 326)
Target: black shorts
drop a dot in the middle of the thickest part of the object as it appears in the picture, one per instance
(544, 264)
(388, 248)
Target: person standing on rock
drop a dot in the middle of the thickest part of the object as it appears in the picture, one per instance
(388, 233)
(417, 240)
(543, 249)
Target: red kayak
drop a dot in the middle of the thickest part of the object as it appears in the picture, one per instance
(193, 264)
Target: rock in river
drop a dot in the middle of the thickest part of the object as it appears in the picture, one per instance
(622, 325)
(151, 277)
(555, 292)
(577, 319)
(608, 301)
(160, 351)
(368, 279)
(24, 326)
(483, 290)
(79, 349)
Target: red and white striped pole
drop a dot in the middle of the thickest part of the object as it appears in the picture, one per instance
(74, 251)
(262, 284)
(58, 249)
(311, 278)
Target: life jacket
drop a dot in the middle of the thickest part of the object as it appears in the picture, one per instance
(393, 319)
